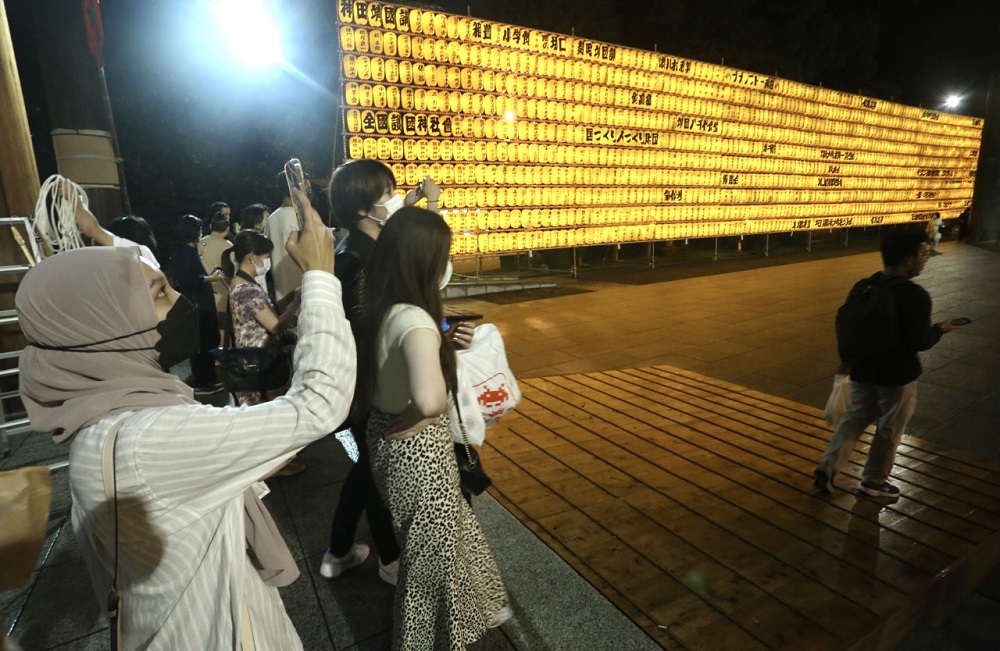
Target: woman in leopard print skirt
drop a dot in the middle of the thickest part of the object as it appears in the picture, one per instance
(449, 589)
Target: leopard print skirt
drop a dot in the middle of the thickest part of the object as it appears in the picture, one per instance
(449, 585)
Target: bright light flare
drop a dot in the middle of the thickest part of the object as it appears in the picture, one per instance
(509, 116)
(952, 101)
(249, 31)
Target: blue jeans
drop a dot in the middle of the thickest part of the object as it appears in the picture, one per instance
(890, 408)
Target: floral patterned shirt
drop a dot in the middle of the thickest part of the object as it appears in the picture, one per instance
(245, 301)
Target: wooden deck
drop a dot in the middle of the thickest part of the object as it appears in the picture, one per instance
(688, 502)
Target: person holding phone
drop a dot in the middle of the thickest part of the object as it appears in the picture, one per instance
(198, 559)
(449, 590)
(883, 385)
(363, 198)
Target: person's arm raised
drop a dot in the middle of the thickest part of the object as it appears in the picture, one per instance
(90, 227)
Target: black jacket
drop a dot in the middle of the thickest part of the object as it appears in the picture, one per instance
(915, 332)
(353, 255)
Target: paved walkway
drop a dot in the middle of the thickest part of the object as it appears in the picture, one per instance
(767, 329)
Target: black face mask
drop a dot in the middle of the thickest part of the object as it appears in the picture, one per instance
(179, 337)
(179, 334)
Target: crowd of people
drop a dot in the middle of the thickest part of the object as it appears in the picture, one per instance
(166, 490)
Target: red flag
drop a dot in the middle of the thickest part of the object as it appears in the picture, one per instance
(95, 30)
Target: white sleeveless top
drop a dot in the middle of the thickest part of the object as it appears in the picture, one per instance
(392, 389)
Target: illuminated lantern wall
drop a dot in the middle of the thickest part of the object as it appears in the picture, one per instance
(543, 140)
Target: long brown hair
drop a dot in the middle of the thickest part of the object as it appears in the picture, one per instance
(407, 265)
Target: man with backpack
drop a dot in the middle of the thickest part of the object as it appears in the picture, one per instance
(884, 323)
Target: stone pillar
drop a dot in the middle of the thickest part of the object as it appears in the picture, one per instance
(984, 225)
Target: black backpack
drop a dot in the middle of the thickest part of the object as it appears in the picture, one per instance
(867, 323)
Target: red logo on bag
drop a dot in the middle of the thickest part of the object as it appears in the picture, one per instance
(494, 396)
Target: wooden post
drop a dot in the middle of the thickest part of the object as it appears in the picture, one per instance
(18, 192)
(18, 171)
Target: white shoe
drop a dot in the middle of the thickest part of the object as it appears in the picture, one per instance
(332, 567)
(389, 573)
(500, 617)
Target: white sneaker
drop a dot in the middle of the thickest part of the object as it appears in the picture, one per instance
(332, 567)
(500, 617)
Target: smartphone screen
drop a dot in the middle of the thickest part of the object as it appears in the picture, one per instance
(296, 180)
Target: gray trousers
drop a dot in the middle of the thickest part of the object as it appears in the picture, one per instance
(890, 408)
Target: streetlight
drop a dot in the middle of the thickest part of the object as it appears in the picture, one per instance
(249, 31)
(952, 101)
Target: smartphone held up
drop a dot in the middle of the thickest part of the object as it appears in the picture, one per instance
(296, 179)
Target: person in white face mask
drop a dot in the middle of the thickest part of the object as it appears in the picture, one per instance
(256, 321)
(363, 199)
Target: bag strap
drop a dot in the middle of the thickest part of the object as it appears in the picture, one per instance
(229, 339)
(246, 630)
(461, 426)
(110, 475)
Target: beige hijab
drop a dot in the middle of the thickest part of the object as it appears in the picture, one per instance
(77, 298)
(92, 295)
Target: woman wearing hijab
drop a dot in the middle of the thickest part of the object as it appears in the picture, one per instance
(160, 483)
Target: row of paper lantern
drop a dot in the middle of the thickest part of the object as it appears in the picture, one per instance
(676, 97)
(463, 34)
(666, 115)
(683, 153)
(524, 197)
(369, 122)
(621, 131)
(479, 151)
(794, 174)
(465, 243)
(481, 220)
(477, 224)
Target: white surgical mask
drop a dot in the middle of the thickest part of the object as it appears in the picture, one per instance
(446, 278)
(263, 270)
(391, 206)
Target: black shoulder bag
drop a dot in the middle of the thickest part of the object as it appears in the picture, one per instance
(471, 475)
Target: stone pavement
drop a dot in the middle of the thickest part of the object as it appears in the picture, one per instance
(769, 329)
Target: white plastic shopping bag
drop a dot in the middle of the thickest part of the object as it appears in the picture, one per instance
(492, 380)
(472, 417)
(486, 382)
(839, 400)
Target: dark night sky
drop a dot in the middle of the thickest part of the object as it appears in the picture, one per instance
(194, 126)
